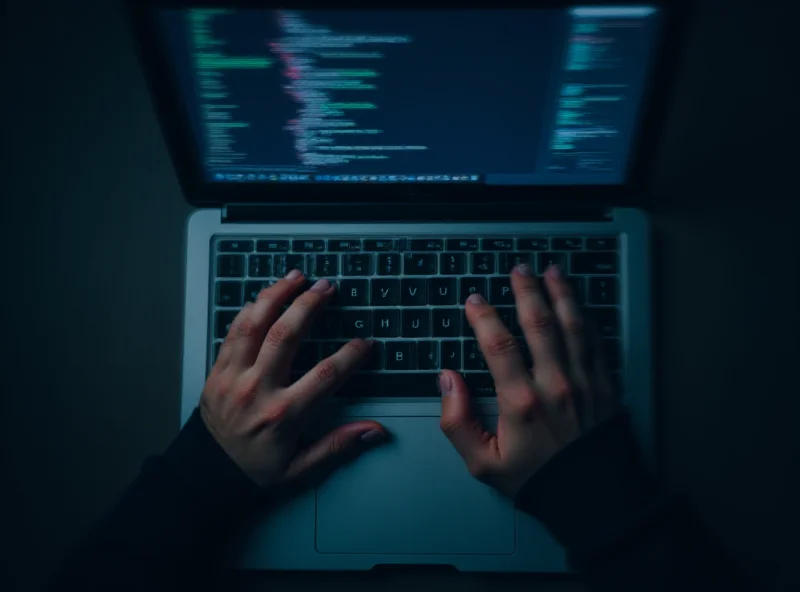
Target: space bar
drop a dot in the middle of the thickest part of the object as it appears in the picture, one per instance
(387, 384)
(410, 384)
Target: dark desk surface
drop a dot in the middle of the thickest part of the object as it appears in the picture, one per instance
(95, 226)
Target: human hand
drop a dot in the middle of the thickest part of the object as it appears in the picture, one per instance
(540, 410)
(249, 404)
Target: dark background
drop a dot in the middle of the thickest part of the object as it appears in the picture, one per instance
(92, 300)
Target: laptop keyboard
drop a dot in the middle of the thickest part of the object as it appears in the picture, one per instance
(408, 295)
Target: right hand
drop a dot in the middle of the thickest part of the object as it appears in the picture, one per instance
(540, 410)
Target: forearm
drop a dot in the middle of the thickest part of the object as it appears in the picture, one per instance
(168, 524)
(621, 528)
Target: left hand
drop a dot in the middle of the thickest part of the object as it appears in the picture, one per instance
(249, 404)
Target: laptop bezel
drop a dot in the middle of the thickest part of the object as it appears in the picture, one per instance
(199, 192)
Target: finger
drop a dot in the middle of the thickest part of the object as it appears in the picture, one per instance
(226, 349)
(284, 336)
(337, 446)
(538, 325)
(500, 349)
(266, 309)
(476, 446)
(327, 376)
(571, 321)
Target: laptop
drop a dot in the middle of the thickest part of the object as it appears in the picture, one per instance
(413, 157)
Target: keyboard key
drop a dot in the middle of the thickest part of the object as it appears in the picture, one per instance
(446, 322)
(426, 244)
(533, 244)
(224, 318)
(567, 244)
(453, 263)
(419, 263)
(466, 328)
(230, 266)
(462, 244)
(344, 245)
(545, 260)
(387, 384)
(413, 292)
(324, 266)
(470, 285)
(326, 326)
(357, 264)
(308, 245)
(594, 263)
(400, 356)
(509, 261)
(253, 289)
(483, 263)
(508, 315)
(497, 244)
(306, 357)
(356, 323)
(379, 245)
(606, 319)
(235, 246)
(416, 322)
(260, 266)
(602, 290)
(480, 384)
(272, 246)
(612, 353)
(578, 285)
(328, 348)
(601, 244)
(451, 355)
(473, 357)
(428, 355)
(283, 264)
(229, 294)
(442, 291)
(385, 292)
(352, 293)
(375, 359)
(500, 291)
(389, 264)
(386, 323)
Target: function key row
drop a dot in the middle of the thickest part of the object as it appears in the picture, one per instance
(388, 264)
(318, 245)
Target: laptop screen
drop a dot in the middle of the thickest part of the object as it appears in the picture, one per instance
(496, 97)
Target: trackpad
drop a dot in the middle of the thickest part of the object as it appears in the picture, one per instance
(413, 495)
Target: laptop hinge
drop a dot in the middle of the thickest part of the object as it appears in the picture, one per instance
(405, 212)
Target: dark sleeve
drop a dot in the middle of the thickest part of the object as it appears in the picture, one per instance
(621, 528)
(166, 528)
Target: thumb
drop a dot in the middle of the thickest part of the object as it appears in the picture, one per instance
(460, 425)
(337, 446)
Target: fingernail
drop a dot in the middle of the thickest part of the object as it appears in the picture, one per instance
(294, 274)
(371, 436)
(554, 271)
(476, 299)
(445, 384)
(524, 270)
(320, 286)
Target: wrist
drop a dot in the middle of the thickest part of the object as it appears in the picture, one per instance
(203, 467)
(591, 485)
